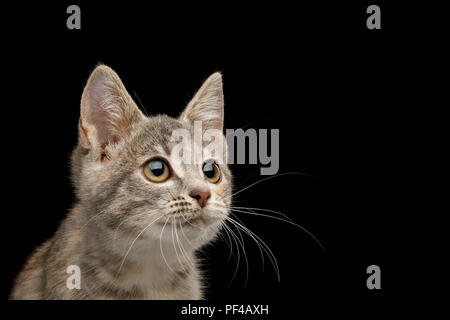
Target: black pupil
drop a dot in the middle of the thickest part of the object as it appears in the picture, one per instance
(208, 170)
(156, 168)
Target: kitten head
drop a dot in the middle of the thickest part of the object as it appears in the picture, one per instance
(125, 169)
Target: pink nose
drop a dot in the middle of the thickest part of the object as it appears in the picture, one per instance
(201, 197)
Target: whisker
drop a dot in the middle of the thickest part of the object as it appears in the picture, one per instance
(287, 221)
(256, 209)
(129, 249)
(265, 179)
(229, 244)
(245, 257)
(160, 246)
(248, 124)
(89, 220)
(141, 105)
(173, 242)
(257, 238)
(259, 247)
(173, 198)
(123, 220)
(233, 235)
(183, 251)
(184, 234)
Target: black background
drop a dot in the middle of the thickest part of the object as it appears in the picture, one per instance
(334, 89)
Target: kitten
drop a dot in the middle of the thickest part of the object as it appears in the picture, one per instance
(139, 217)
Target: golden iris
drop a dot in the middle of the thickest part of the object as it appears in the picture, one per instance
(211, 171)
(157, 170)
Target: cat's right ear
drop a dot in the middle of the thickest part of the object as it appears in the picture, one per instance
(207, 104)
(107, 110)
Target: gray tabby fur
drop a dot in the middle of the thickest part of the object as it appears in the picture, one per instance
(118, 208)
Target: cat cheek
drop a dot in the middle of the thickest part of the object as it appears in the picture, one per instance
(221, 190)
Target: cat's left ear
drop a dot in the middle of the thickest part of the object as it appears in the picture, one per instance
(108, 112)
(207, 104)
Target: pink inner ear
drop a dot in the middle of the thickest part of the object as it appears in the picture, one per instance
(213, 124)
(83, 133)
(211, 116)
(107, 110)
(207, 104)
(100, 109)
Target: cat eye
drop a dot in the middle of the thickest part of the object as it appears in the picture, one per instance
(211, 171)
(157, 170)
